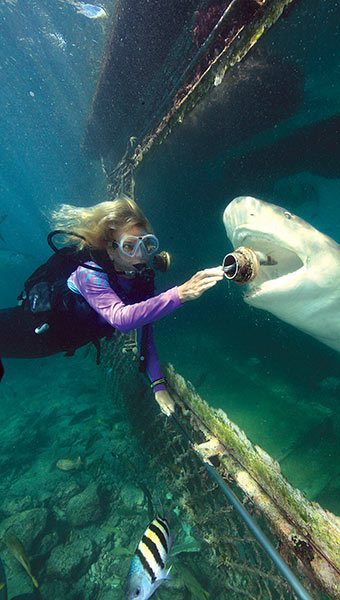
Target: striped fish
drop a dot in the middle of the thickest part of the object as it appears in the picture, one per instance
(147, 570)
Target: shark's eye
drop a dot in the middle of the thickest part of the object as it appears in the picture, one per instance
(137, 592)
(287, 214)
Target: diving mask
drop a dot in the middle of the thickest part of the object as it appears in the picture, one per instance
(130, 244)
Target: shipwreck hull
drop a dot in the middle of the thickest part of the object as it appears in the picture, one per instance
(306, 536)
(143, 96)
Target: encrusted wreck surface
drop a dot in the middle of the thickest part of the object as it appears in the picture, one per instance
(306, 531)
(306, 535)
(244, 34)
(161, 59)
(141, 37)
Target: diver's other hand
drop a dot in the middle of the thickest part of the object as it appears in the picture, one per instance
(165, 402)
(200, 283)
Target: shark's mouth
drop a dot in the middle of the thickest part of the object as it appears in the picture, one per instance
(279, 264)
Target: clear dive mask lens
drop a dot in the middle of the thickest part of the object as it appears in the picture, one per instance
(130, 244)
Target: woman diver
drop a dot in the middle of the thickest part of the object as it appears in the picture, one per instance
(102, 282)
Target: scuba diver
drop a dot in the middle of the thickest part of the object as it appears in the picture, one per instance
(101, 282)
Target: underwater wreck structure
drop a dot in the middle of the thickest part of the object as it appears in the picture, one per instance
(162, 60)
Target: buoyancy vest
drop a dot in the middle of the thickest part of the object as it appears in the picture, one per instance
(47, 296)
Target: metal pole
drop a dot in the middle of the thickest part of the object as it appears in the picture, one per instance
(268, 547)
(285, 571)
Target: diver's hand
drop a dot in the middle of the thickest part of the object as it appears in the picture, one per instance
(199, 283)
(166, 403)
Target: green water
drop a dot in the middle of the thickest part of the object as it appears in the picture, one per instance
(279, 385)
(80, 527)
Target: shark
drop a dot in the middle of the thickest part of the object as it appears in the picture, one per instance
(300, 284)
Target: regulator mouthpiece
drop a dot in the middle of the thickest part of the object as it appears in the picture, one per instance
(139, 267)
(162, 261)
(242, 265)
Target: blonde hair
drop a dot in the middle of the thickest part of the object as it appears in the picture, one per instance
(99, 223)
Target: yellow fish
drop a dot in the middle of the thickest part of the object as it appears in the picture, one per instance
(2, 585)
(16, 548)
(67, 464)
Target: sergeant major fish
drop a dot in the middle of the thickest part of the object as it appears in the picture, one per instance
(147, 570)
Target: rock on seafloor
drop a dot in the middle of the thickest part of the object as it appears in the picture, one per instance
(84, 508)
(26, 525)
(71, 559)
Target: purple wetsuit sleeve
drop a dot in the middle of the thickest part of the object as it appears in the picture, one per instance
(124, 317)
(153, 367)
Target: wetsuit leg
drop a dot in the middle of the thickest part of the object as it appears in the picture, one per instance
(67, 331)
(19, 340)
(17, 336)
